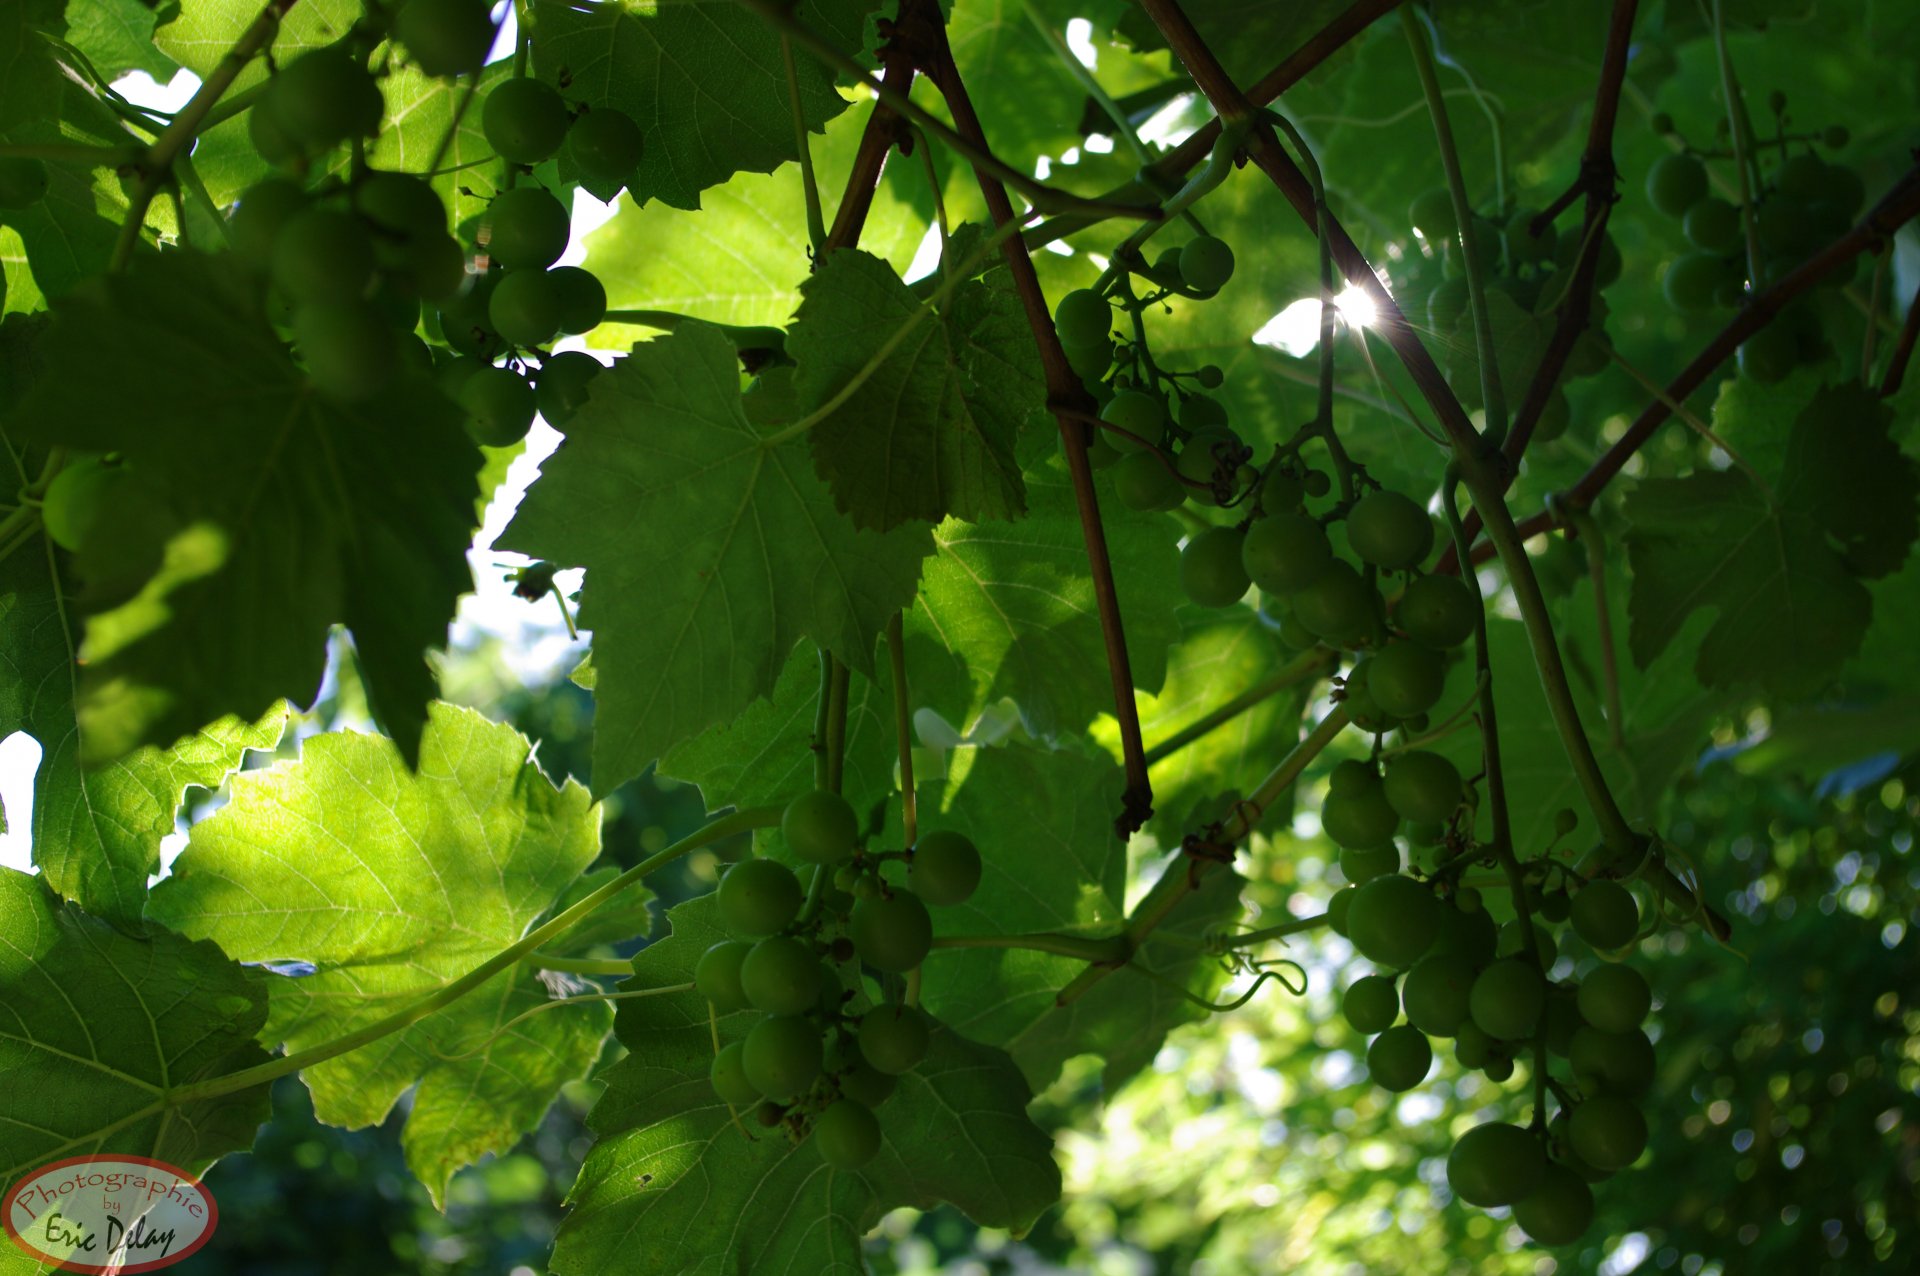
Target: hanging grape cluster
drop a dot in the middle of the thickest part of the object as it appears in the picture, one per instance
(813, 1064)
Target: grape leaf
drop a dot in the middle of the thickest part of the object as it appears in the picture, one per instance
(98, 1028)
(738, 259)
(705, 81)
(1008, 610)
(117, 37)
(764, 755)
(709, 554)
(293, 513)
(45, 100)
(202, 31)
(392, 884)
(1790, 605)
(932, 429)
(673, 1168)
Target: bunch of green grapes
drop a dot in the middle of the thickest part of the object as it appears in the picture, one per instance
(1534, 271)
(1447, 970)
(1802, 202)
(819, 1058)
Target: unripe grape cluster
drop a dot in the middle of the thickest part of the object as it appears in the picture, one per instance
(1803, 202)
(347, 262)
(813, 1063)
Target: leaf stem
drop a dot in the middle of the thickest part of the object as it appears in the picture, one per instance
(1078, 947)
(816, 220)
(1280, 930)
(71, 153)
(617, 966)
(440, 998)
(1741, 129)
(1492, 393)
(1084, 75)
(1302, 668)
(903, 727)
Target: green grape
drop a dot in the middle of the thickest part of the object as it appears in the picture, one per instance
(1210, 569)
(1350, 775)
(1555, 906)
(1284, 552)
(1406, 678)
(1498, 1068)
(500, 405)
(445, 37)
(1507, 999)
(1563, 1018)
(1199, 412)
(1495, 1164)
(583, 298)
(1393, 920)
(1802, 178)
(1338, 605)
(1472, 1047)
(769, 1115)
(1370, 1004)
(1281, 492)
(1712, 225)
(23, 182)
(891, 933)
(1359, 815)
(1431, 213)
(1361, 864)
(847, 1135)
(1143, 482)
(945, 869)
(1139, 414)
(463, 320)
(606, 145)
(866, 1084)
(1836, 137)
(404, 212)
(1693, 281)
(1339, 908)
(1615, 998)
(1210, 376)
(269, 137)
(758, 898)
(782, 1057)
(1468, 933)
(820, 827)
(1437, 611)
(1447, 304)
(525, 228)
(1437, 993)
(1788, 228)
(894, 1039)
(1389, 530)
(524, 120)
(265, 207)
(326, 96)
(1607, 1132)
(525, 308)
(1210, 457)
(348, 347)
(436, 266)
(1769, 355)
(1423, 786)
(1559, 1210)
(1083, 318)
(781, 976)
(1605, 915)
(1675, 183)
(1616, 1062)
(716, 976)
(565, 381)
(76, 498)
(1513, 942)
(728, 1074)
(1523, 246)
(322, 254)
(1090, 361)
(1399, 1058)
(1206, 264)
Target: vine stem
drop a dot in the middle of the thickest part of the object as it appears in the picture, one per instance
(881, 135)
(1184, 872)
(1047, 198)
(440, 998)
(1902, 350)
(1066, 397)
(1078, 947)
(1302, 668)
(175, 138)
(903, 727)
(1490, 389)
